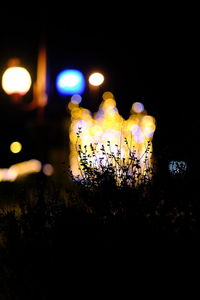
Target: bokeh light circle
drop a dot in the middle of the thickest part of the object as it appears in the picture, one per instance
(16, 80)
(15, 147)
(76, 99)
(107, 95)
(48, 169)
(96, 79)
(138, 107)
(70, 82)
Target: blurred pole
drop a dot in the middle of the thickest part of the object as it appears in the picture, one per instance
(40, 92)
(40, 96)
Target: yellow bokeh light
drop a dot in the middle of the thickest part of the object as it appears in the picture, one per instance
(26, 167)
(107, 95)
(20, 169)
(108, 125)
(96, 79)
(16, 80)
(15, 147)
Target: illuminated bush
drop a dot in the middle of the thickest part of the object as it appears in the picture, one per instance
(100, 164)
(108, 140)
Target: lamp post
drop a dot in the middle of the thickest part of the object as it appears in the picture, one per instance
(16, 82)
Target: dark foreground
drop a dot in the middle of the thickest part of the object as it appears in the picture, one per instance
(56, 247)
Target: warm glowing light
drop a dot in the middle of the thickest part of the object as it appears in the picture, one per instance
(20, 169)
(70, 82)
(16, 80)
(138, 107)
(107, 95)
(40, 92)
(96, 79)
(15, 147)
(7, 175)
(108, 125)
(48, 169)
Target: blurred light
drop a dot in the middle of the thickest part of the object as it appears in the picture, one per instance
(40, 91)
(177, 167)
(26, 167)
(135, 128)
(13, 62)
(48, 169)
(20, 169)
(108, 125)
(98, 115)
(138, 107)
(15, 147)
(70, 82)
(107, 95)
(76, 99)
(7, 175)
(16, 80)
(96, 79)
(149, 125)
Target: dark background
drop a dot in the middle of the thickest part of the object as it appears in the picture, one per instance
(147, 54)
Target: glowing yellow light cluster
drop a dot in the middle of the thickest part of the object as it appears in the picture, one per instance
(20, 169)
(108, 125)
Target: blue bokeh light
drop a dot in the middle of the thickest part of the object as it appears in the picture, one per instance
(70, 82)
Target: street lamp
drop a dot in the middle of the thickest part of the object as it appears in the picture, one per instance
(16, 81)
(96, 79)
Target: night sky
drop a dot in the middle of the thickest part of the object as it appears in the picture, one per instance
(145, 57)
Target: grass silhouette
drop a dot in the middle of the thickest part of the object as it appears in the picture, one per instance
(105, 210)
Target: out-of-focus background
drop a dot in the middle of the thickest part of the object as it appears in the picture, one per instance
(143, 58)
